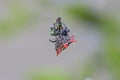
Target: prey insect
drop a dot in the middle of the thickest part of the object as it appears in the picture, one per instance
(62, 40)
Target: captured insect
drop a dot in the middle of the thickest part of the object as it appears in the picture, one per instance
(62, 40)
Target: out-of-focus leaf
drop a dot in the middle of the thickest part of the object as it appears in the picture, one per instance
(19, 16)
(87, 71)
(53, 74)
(84, 13)
(112, 58)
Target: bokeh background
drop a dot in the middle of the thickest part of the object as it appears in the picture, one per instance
(27, 54)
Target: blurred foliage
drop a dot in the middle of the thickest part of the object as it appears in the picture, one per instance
(111, 58)
(18, 17)
(82, 13)
(105, 22)
(87, 71)
(48, 74)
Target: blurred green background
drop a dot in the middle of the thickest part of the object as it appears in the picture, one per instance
(26, 53)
